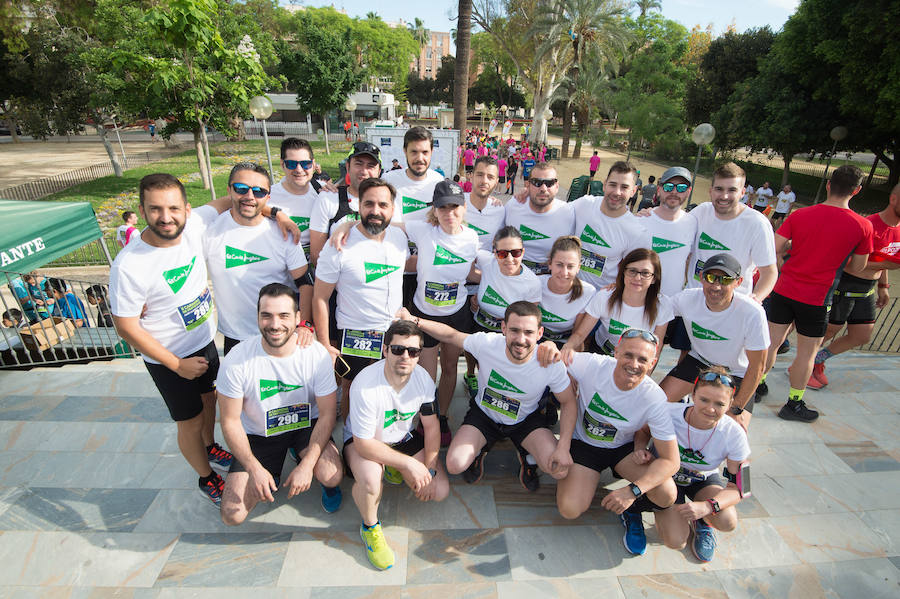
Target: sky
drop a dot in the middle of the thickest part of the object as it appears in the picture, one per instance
(720, 13)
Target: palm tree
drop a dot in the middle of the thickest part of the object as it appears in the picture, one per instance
(421, 35)
(591, 91)
(461, 77)
(646, 6)
(373, 16)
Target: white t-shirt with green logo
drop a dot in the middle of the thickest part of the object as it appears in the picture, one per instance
(707, 449)
(615, 322)
(496, 291)
(485, 222)
(298, 207)
(607, 416)
(673, 240)
(558, 313)
(325, 209)
(413, 197)
(241, 261)
(172, 284)
(722, 337)
(368, 278)
(747, 237)
(279, 393)
(540, 230)
(444, 263)
(604, 240)
(379, 412)
(507, 392)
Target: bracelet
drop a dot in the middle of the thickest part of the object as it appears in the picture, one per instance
(884, 285)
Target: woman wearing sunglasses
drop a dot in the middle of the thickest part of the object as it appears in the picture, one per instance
(635, 302)
(563, 295)
(706, 499)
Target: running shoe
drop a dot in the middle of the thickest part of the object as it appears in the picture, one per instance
(392, 475)
(219, 457)
(813, 383)
(213, 489)
(704, 543)
(819, 373)
(471, 381)
(797, 410)
(331, 499)
(762, 389)
(475, 471)
(446, 437)
(784, 347)
(377, 550)
(635, 540)
(528, 474)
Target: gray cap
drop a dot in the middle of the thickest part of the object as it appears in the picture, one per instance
(447, 192)
(675, 171)
(724, 262)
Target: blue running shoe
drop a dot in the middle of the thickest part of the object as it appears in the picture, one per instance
(704, 543)
(331, 499)
(635, 540)
(213, 489)
(219, 457)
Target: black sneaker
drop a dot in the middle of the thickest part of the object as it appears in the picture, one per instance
(797, 410)
(528, 474)
(212, 489)
(762, 390)
(475, 471)
(784, 347)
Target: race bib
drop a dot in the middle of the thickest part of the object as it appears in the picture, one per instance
(536, 267)
(592, 262)
(597, 430)
(698, 268)
(505, 406)
(363, 344)
(488, 321)
(441, 294)
(287, 418)
(195, 313)
(554, 336)
(686, 478)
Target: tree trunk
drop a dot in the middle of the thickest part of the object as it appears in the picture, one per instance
(212, 187)
(579, 135)
(101, 131)
(567, 128)
(891, 163)
(461, 77)
(11, 123)
(539, 123)
(325, 129)
(201, 159)
(786, 172)
(871, 172)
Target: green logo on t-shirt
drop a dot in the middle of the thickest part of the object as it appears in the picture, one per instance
(392, 416)
(550, 317)
(492, 297)
(601, 407)
(616, 327)
(302, 222)
(708, 243)
(376, 271)
(176, 277)
(529, 234)
(591, 236)
(691, 457)
(478, 230)
(235, 257)
(269, 388)
(661, 245)
(412, 205)
(701, 333)
(444, 256)
(497, 381)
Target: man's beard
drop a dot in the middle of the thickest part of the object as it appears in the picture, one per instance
(375, 224)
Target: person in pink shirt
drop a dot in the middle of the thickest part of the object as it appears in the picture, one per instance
(542, 153)
(501, 171)
(469, 160)
(482, 150)
(594, 164)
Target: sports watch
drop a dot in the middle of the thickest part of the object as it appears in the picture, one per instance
(715, 505)
(635, 490)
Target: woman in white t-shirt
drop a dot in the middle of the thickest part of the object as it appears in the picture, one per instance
(707, 436)
(563, 295)
(633, 303)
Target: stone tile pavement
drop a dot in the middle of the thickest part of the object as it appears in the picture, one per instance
(95, 501)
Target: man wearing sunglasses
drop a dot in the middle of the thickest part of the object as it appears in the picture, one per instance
(380, 434)
(245, 251)
(725, 328)
(540, 219)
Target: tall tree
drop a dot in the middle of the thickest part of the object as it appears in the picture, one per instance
(645, 6)
(422, 36)
(461, 76)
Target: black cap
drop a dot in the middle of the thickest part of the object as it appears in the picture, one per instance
(724, 262)
(364, 148)
(447, 192)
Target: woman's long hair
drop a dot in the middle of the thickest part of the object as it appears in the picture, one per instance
(651, 302)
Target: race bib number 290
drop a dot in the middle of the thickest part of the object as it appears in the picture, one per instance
(287, 418)
(195, 312)
(363, 344)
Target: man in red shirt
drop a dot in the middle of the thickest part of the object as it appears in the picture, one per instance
(824, 239)
(855, 299)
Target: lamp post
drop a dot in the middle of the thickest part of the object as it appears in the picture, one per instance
(702, 135)
(837, 134)
(261, 108)
(350, 106)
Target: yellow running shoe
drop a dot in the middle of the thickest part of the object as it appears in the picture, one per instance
(380, 555)
(393, 476)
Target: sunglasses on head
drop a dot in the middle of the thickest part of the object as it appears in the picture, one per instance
(502, 254)
(723, 279)
(398, 350)
(243, 188)
(542, 182)
(679, 187)
(364, 146)
(645, 335)
(710, 377)
(292, 165)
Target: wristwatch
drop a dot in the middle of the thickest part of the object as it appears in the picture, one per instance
(635, 490)
(715, 505)
(736, 410)
(274, 212)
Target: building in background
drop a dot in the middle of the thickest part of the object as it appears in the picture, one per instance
(429, 60)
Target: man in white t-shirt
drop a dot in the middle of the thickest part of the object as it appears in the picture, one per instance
(124, 233)
(726, 328)
(511, 386)
(542, 218)
(606, 227)
(785, 199)
(484, 215)
(749, 196)
(381, 439)
(245, 251)
(763, 197)
(275, 397)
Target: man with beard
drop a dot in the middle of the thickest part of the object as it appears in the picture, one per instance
(245, 251)
(275, 396)
(511, 384)
(484, 215)
(415, 189)
(367, 274)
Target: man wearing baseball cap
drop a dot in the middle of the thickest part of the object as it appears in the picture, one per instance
(726, 329)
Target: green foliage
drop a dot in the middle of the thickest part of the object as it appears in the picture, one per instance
(442, 85)
(490, 88)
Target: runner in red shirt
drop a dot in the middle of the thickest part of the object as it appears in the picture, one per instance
(824, 239)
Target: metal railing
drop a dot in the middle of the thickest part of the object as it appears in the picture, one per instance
(886, 334)
(91, 254)
(42, 327)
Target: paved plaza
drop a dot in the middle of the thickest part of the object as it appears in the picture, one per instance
(95, 501)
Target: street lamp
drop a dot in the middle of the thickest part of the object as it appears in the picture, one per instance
(350, 106)
(261, 108)
(702, 135)
(837, 134)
